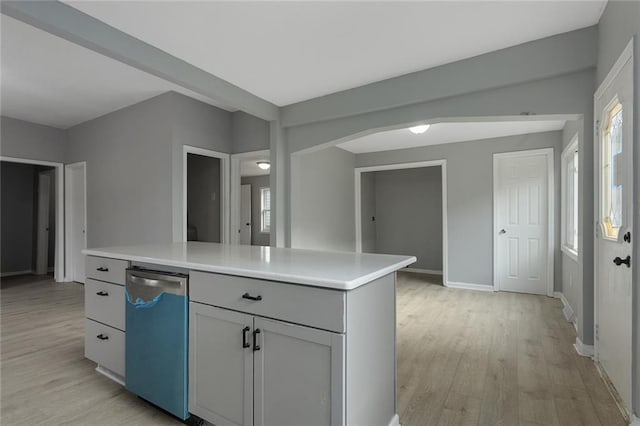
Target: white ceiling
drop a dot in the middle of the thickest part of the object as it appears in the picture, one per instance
(440, 133)
(250, 167)
(48, 80)
(286, 52)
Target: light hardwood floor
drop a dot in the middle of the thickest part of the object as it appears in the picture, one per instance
(463, 358)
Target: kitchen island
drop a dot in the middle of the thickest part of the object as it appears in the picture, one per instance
(276, 336)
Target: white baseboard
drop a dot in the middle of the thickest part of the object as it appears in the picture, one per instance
(567, 310)
(582, 349)
(13, 274)
(395, 420)
(635, 421)
(110, 374)
(468, 286)
(422, 271)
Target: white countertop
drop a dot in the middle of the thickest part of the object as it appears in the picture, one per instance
(336, 270)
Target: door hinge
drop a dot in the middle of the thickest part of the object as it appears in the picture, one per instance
(597, 332)
(597, 125)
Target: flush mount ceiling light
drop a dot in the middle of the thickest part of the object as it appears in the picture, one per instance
(264, 165)
(417, 130)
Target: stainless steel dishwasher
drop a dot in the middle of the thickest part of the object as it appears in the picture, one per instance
(157, 338)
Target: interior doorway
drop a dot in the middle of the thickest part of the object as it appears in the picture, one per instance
(76, 220)
(32, 217)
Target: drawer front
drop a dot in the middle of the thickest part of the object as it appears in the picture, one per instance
(104, 269)
(104, 345)
(312, 306)
(105, 302)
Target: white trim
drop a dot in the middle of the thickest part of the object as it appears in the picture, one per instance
(626, 55)
(567, 310)
(224, 189)
(58, 274)
(13, 274)
(572, 147)
(468, 286)
(110, 374)
(635, 421)
(67, 219)
(421, 271)
(400, 166)
(235, 182)
(549, 153)
(582, 349)
(395, 420)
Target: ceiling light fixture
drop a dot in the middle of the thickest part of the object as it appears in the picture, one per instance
(418, 130)
(264, 165)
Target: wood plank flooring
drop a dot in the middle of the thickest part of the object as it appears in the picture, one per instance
(464, 357)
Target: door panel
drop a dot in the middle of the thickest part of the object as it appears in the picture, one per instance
(614, 186)
(42, 258)
(522, 222)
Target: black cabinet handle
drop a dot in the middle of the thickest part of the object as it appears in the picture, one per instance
(256, 346)
(102, 337)
(102, 293)
(249, 297)
(626, 261)
(245, 344)
(102, 269)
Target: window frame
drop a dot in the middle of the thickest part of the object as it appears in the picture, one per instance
(570, 154)
(614, 107)
(265, 229)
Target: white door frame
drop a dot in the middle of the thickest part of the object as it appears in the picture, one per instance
(224, 189)
(236, 159)
(67, 207)
(58, 273)
(625, 56)
(400, 166)
(551, 208)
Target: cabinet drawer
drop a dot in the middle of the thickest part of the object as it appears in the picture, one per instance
(105, 302)
(108, 349)
(312, 306)
(104, 269)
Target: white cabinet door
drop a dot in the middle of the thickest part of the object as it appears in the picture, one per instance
(298, 375)
(220, 365)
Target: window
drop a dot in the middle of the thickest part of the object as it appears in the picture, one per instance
(570, 195)
(612, 174)
(265, 210)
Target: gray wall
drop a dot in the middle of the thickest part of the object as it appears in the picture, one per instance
(323, 204)
(203, 197)
(470, 197)
(257, 238)
(17, 231)
(368, 211)
(22, 139)
(618, 24)
(249, 133)
(409, 214)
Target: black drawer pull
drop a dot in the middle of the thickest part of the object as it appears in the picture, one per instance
(102, 337)
(256, 346)
(245, 330)
(249, 297)
(102, 269)
(102, 293)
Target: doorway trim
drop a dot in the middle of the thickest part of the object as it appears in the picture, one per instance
(551, 208)
(236, 159)
(67, 207)
(58, 273)
(399, 166)
(224, 189)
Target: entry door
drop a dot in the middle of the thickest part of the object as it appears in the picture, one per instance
(614, 109)
(521, 194)
(42, 257)
(76, 225)
(245, 214)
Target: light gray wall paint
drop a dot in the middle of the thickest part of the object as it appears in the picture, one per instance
(203, 197)
(618, 24)
(16, 230)
(22, 139)
(323, 203)
(249, 133)
(470, 197)
(409, 214)
(129, 175)
(257, 238)
(368, 211)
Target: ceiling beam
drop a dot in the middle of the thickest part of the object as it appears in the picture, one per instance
(77, 27)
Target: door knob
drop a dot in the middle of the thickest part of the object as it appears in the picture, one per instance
(502, 231)
(626, 261)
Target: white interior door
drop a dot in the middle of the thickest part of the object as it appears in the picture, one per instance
(245, 214)
(522, 220)
(76, 220)
(42, 256)
(614, 160)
